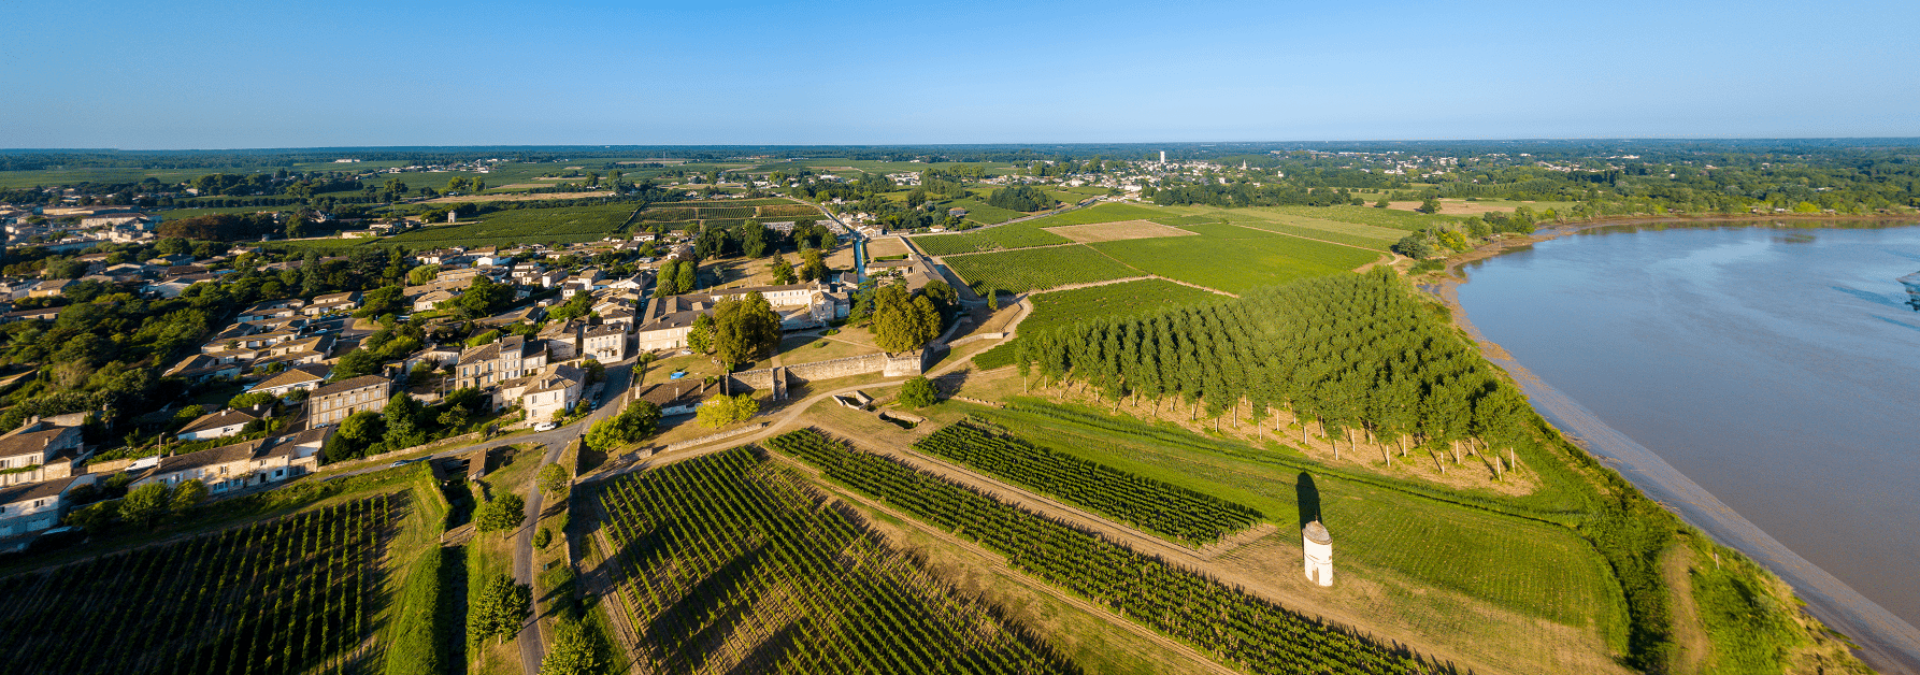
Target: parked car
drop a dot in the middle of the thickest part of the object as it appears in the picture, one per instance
(545, 426)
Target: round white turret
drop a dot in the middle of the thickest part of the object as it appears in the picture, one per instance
(1319, 546)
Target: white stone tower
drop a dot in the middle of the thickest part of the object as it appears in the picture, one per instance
(1163, 156)
(1319, 547)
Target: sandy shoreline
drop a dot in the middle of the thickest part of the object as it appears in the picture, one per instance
(1886, 642)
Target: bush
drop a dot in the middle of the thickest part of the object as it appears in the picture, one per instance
(542, 538)
(918, 393)
(505, 512)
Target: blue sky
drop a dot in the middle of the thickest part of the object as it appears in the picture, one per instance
(219, 74)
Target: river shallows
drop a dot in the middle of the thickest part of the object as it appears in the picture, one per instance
(1778, 368)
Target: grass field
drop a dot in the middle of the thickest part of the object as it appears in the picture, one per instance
(563, 225)
(1234, 259)
(1017, 235)
(1104, 213)
(1037, 269)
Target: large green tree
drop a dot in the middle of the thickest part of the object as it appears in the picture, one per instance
(744, 328)
(902, 322)
(500, 610)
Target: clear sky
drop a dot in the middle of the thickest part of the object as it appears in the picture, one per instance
(224, 74)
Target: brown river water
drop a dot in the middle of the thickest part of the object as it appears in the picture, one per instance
(1761, 380)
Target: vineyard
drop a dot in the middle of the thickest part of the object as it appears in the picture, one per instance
(1239, 629)
(732, 564)
(519, 226)
(1038, 269)
(1235, 259)
(1104, 213)
(1181, 514)
(290, 595)
(1365, 215)
(1017, 235)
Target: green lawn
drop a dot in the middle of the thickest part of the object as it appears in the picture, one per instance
(1233, 258)
(1036, 269)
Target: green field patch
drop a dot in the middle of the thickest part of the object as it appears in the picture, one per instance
(1104, 213)
(562, 225)
(1365, 215)
(984, 213)
(1036, 269)
(1233, 258)
(1351, 234)
(1017, 235)
(1183, 221)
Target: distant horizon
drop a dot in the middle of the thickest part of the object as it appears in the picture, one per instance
(1008, 144)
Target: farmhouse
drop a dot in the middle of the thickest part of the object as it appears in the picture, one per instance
(39, 451)
(34, 507)
(230, 467)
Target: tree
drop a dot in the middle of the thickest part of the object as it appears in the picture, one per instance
(187, 496)
(357, 432)
(506, 512)
(483, 297)
(355, 363)
(94, 517)
(700, 337)
(813, 267)
(403, 422)
(744, 328)
(503, 606)
(146, 505)
(721, 411)
(918, 392)
(1430, 206)
(782, 270)
(553, 478)
(687, 277)
(573, 652)
(419, 276)
(1382, 203)
(902, 323)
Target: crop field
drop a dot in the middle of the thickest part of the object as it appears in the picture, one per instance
(1183, 221)
(562, 225)
(1104, 213)
(1524, 565)
(984, 213)
(786, 210)
(1118, 230)
(1234, 259)
(1364, 215)
(733, 564)
(1061, 308)
(1037, 269)
(291, 595)
(1263, 637)
(1017, 235)
(1169, 511)
(1351, 234)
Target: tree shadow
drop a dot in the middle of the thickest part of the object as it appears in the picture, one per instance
(1308, 495)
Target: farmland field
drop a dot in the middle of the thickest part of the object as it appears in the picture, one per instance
(288, 595)
(1364, 215)
(1038, 269)
(1267, 638)
(1177, 513)
(984, 213)
(1061, 308)
(733, 564)
(1351, 234)
(1118, 230)
(1235, 259)
(1017, 235)
(562, 225)
(1103, 213)
(1524, 565)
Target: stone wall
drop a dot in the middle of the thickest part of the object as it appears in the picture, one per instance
(849, 366)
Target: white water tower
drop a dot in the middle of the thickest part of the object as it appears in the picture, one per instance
(1319, 546)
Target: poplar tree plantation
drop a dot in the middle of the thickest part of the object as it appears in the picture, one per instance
(1356, 355)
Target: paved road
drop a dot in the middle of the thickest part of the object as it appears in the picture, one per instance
(619, 378)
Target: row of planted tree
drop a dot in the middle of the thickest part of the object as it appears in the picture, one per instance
(1355, 355)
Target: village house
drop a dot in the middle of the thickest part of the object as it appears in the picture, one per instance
(35, 507)
(563, 339)
(606, 344)
(551, 392)
(334, 402)
(333, 303)
(245, 464)
(40, 451)
(678, 398)
(509, 357)
(223, 423)
(297, 378)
